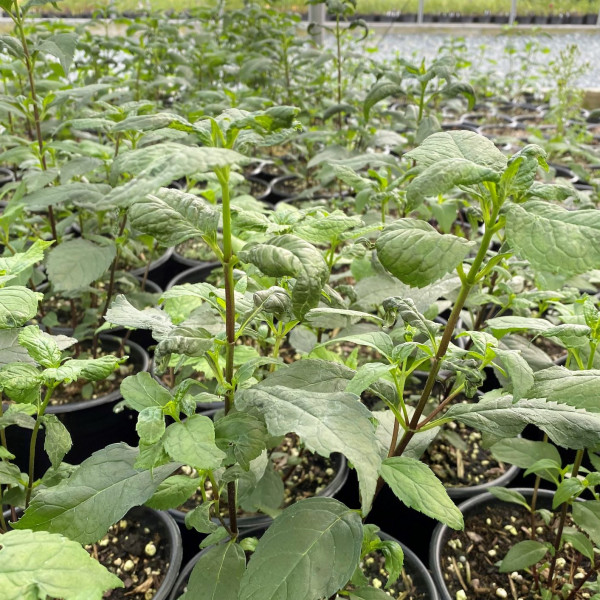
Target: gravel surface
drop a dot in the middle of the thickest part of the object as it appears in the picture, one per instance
(482, 49)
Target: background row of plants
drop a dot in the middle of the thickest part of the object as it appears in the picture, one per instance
(423, 251)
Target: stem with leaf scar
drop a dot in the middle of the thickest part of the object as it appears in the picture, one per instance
(467, 283)
(228, 264)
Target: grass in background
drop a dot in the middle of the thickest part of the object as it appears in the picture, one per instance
(538, 7)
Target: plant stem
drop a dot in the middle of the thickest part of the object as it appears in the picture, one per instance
(561, 524)
(18, 19)
(228, 262)
(34, 434)
(593, 571)
(467, 284)
(339, 69)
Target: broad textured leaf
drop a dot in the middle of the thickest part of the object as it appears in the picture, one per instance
(409, 313)
(9, 473)
(68, 193)
(553, 239)
(21, 382)
(587, 516)
(74, 264)
(57, 441)
(326, 422)
(218, 573)
(158, 165)
(193, 442)
(17, 306)
(172, 216)
(142, 391)
(503, 325)
(154, 121)
(522, 555)
(566, 426)
(241, 436)
(90, 369)
(98, 494)
(309, 552)
(150, 425)
(417, 254)
(415, 484)
(39, 564)
(366, 375)
(519, 372)
(61, 45)
(458, 144)
(311, 375)
(291, 256)
(40, 346)
(12, 266)
(524, 453)
(188, 341)
(122, 312)
(380, 91)
(443, 176)
(173, 492)
(378, 340)
(575, 388)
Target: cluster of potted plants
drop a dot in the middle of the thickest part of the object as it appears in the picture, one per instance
(263, 316)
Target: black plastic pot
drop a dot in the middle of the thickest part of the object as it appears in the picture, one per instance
(412, 564)
(196, 274)
(6, 175)
(279, 190)
(92, 423)
(158, 271)
(265, 188)
(470, 507)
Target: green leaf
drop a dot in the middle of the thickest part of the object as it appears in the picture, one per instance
(319, 536)
(173, 492)
(12, 266)
(367, 375)
(566, 490)
(61, 45)
(75, 264)
(90, 369)
(519, 372)
(508, 495)
(241, 436)
(40, 346)
(193, 443)
(368, 593)
(172, 216)
(443, 176)
(310, 375)
(57, 441)
(158, 165)
(458, 144)
(97, 495)
(378, 340)
(150, 122)
(415, 484)
(565, 425)
(290, 256)
(122, 312)
(503, 325)
(579, 541)
(150, 424)
(410, 315)
(187, 341)
(266, 495)
(575, 388)
(553, 239)
(218, 573)
(380, 91)
(417, 254)
(524, 453)
(586, 515)
(9, 473)
(21, 382)
(199, 518)
(326, 422)
(522, 555)
(142, 391)
(36, 565)
(17, 306)
(68, 193)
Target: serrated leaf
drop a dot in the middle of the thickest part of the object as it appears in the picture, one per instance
(523, 453)
(142, 391)
(172, 216)
(553, 239)
(519, 372)
(32, 566)
(68, 193)
(122, 312)
(150, 424)
(21, 382)
(242, 437)
(61, 45)
(443, 176)
(319, 536)
(522, 555)
(326, 422)
(75, 264)
(41, 347)
(415, 484)
(17, 306)
(192, 442)
(565, 425)
(218, 573)
(9, 474)
(417, 254)
(586, 515)
(291, 256)
(12, 266)
(98, 494)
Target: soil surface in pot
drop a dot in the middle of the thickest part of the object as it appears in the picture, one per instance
(81, 390)
(195, 249)
(458, 459)
(304, 475)
(137, 555)
(469, 557)
(373, 566)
